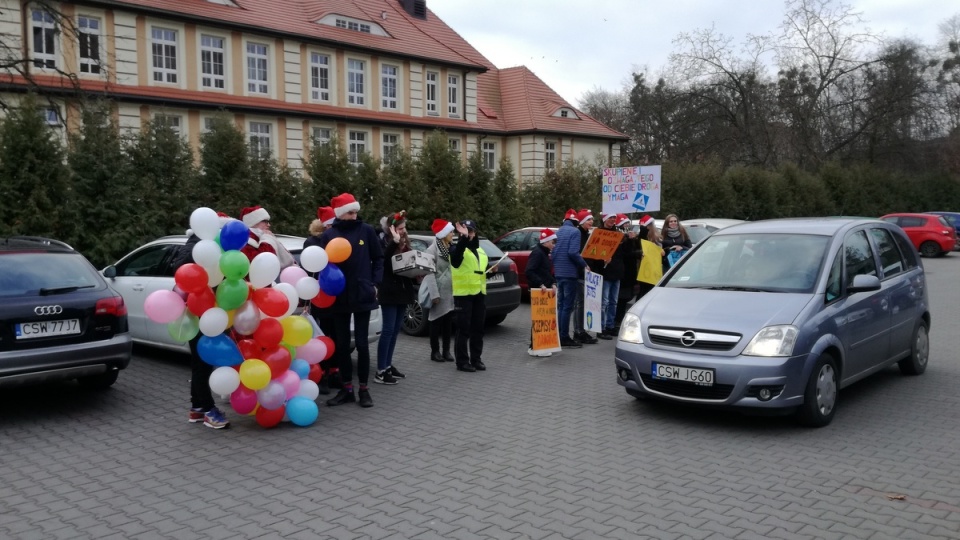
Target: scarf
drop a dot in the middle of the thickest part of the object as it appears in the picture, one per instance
(442, 250)
(672, 232)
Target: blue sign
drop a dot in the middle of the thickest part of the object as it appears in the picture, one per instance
(641, 201)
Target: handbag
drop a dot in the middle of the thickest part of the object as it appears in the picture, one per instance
(674, 256)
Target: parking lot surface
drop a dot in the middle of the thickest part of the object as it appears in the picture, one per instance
(532, 448)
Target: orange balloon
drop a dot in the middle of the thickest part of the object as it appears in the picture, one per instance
(338, 250)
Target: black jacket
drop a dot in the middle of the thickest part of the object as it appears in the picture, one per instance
(363, 270)
(615, 269)
(394, 289)
(539, 270)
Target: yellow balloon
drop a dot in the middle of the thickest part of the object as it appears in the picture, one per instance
(338, 250)
(230, 314)
(254, 374)
(297, 330)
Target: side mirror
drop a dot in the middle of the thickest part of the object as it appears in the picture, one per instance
(864, 283)
(110, 271)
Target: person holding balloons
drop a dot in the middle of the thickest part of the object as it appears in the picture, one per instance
(262, 240)
(331, 373)
(357, 270)
(396, 293)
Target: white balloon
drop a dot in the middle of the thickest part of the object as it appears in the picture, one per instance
(291, 292)
(264, 269)
(207, 253)
(313, 259)
(309, 389)
(205, 223)
(224, 380)
(214, 277)
(214, 321)
(308, 287)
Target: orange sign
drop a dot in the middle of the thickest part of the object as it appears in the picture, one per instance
(602, 244)
(543, 312)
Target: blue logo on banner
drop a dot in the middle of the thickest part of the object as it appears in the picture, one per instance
(641, 201)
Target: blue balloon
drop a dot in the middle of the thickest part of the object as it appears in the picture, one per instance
(302, 411)
(219, 351)
(332, 280)
(301, 367)
(234, 235)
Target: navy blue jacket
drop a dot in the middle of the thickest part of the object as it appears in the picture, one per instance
(567, 261)
(363, 269)
(539, 270)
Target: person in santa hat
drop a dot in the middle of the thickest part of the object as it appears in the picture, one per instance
(539, 274)
(324, 221)
(631, 264)
(613, 272)
(363, 271)
(262, 239)
(438, 288)
(585, 217)
(567, 264)
(331, 373)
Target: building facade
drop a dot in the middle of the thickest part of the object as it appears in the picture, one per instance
(377, 74)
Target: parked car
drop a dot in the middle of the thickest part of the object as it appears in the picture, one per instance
(932, 235)
(149, 268)
(779, 316)
(517, 245)
(503, 288)
(953, 218)
(698, 229)
(58, 317)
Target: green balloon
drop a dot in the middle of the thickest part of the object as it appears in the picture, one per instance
(234, 264)
(232, 293)
(185, 328)
(291, 348)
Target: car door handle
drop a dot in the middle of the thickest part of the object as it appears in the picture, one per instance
(137, 288)
(884, 304)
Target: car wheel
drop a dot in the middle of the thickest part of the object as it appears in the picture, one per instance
(916, 363)
(929, 249)
(415, 320)
(820, 397)
(101, 381)
(493, 320)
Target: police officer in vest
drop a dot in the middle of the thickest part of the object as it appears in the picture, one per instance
(469, 263)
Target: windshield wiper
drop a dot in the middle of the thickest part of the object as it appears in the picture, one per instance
(731, 288)
(61, 290)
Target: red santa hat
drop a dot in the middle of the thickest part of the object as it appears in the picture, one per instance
(584, 215)
(571, 214)
(344, 203)
(441, 227)
(622, 219)
(252, 215)
(547, 235)
(646, 220)
(325, 214)
(224, 218)
(607, 215)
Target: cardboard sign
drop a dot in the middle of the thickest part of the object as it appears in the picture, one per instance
(543, 312)
(413, 263)
(592, 301)
(631, 189)
(602, 244)
(651, 265)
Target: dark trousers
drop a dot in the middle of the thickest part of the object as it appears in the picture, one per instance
(341, 337)
(200, 395)
(441, 327)
(471, 311)
(325, 322)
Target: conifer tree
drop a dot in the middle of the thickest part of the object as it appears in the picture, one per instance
(478, 180)
(505, 214)
(282, 194)
(226, 182)
(329, 170)
(365, 185)
(403, 189)
(442, 174)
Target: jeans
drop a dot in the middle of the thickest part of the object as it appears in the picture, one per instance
(578, 327)
(611, 294)
(566, 298)
(341, 340)
(392, 320)
(471, 311)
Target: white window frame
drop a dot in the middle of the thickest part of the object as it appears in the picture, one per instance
(353, 25)
(453, 96)
(160, 37)
(321, 135)
(356, 93)
(430, 93)
(357, 145)
(389, 84)
(43, 21)
(258, 68)
(549, 155)
(52, 116)
(208, 59)
(90, 28)
(173, 121)
(319, 76)
(388, 151)
(207, 124)
(454, 144)
(489, 155)
(260, 139)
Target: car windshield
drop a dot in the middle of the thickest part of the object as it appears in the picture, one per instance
(35, 274)
(753, 262)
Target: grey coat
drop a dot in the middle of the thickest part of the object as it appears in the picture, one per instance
(438, 285)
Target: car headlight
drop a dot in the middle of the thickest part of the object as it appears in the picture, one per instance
(630, 329)
(773, 341)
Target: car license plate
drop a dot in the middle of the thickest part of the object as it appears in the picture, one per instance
(703, 377)
(495, 278)
(32, 330)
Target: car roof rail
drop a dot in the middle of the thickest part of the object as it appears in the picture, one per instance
(41, 240)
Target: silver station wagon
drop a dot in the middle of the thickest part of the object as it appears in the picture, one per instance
(779, 315)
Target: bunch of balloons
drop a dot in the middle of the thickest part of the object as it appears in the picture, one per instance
(266, 358)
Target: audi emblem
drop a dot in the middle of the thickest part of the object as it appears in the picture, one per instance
(48, 310)
(688, 338)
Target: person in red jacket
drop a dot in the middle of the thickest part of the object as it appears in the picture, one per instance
(261, 239)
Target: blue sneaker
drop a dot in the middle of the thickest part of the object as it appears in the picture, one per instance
(215, 419)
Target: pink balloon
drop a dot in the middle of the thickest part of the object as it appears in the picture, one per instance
(291, 383)
(292, 275)
(312, 351)
(164, 306)
(243, 400)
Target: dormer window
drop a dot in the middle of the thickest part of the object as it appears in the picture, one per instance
(223, 3)
(355, 25)
(566, 112)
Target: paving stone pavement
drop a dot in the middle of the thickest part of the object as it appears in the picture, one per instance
(533, 448)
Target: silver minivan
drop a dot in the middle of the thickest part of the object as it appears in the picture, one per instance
(779, 315)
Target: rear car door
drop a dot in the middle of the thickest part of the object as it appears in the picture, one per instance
(903, 281)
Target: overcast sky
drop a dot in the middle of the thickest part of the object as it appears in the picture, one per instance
(578, 45)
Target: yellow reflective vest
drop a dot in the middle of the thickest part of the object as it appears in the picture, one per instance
(470, 278)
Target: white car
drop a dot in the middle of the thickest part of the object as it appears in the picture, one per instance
(698, 229)
(149, 269)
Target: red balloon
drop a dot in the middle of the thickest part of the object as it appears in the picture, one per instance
(269, 333)
(316, 372)
(328, 341)
(267, 418)
(191, 277)
(249, 348)
(279, 360)
(200, 302)
(271, 301)
(323, 300)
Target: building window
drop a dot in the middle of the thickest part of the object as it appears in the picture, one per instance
(357, 146)
(208, 124)
(321, 135)
(52, 116)
(454, 145)
(44, 39)
(453, 96)
(353, 25)
(257, 68)
(355, 82)
(168, 121)
(432, 81)
(388, 83)
(259, 139)
(390, 141)
(319, 77)
(88, 34)
(550, 155)
(489, 156)
(164, 49)
(212, 59)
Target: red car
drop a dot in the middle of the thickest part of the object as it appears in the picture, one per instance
(517, 245)
(931, 234)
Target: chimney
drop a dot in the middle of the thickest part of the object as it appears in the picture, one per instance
(416, 8)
